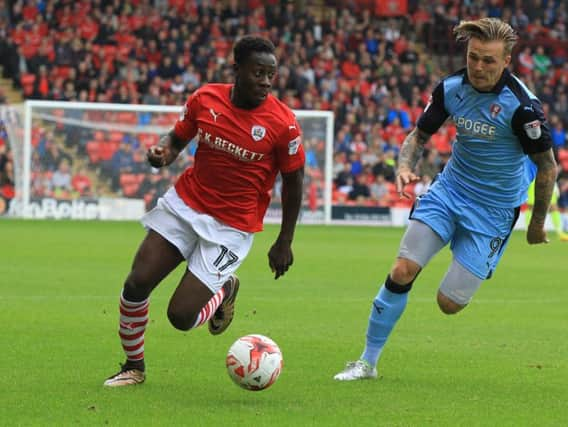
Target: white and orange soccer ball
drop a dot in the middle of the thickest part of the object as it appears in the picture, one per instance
(254, 362)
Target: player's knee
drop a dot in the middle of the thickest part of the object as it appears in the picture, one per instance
(447, 306)
(181, 321)
(404, 271)
(136, 287)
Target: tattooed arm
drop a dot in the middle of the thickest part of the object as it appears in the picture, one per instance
(410, 152)
(544, 186)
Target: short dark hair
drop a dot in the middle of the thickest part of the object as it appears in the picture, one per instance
(249, 44)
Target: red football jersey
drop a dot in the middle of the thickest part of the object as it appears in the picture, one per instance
(239, 155)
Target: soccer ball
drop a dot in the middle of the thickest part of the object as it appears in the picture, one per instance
(254, 362)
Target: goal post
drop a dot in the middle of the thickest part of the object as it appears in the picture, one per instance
(70, 168)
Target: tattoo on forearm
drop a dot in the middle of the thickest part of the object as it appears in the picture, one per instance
(412, 148)
(544, 185)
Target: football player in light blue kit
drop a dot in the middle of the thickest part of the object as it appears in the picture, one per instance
(474, 203)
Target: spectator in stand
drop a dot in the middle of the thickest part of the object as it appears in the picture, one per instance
(191, 78)
(541, 60)
(54, 155)
(560, 104)
(428, 165)
(385, 167)
(344, 177)
(380, 192)
(360, 190)
(61, 181)
(122, 161)
(6, 172)
(558, 132)
(152, 97)
(397, 110)
(82, 184)
(525, 61)
(519, 20)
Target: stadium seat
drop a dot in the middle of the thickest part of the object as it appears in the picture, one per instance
(108, 148)
(148, 139)
(116, 136)
(62, 72)
(99, 135)
(129, 183)
(127, 118)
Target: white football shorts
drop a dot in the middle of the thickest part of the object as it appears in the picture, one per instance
(213, 250)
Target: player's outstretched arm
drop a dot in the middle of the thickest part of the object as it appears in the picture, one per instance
(410, 152)
(166, 151)
(280, 256)
(543, 188)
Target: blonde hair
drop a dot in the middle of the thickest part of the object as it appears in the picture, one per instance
(487, 29)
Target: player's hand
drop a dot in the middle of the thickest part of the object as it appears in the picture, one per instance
(280, 258)
(536, 234)
(404, 176)
(159, 156)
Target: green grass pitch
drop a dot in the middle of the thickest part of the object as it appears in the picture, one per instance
(501, 362)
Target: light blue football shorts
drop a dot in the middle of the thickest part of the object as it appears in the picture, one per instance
(477, 234)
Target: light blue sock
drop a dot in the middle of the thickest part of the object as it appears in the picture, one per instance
(387, 309)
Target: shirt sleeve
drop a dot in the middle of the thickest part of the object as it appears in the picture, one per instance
(289, 149)
(531, 127)
(435, 113)
(186, 125)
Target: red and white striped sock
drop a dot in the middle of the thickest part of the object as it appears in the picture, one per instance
(133, 321)
(209, 309)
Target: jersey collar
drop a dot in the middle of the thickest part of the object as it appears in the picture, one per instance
(497, 88)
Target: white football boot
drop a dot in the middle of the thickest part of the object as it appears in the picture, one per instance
(359, 370)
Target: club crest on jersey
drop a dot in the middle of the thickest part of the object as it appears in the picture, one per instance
(257, 132)
(494, 109)
(533, 129)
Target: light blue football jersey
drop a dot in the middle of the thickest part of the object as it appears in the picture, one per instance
(495, 132)
(530, 171)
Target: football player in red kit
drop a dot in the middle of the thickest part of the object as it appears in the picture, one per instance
(245, 138)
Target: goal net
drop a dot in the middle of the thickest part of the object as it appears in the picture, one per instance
(87, 161)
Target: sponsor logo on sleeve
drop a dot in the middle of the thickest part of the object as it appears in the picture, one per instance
(428, 104)
(214, 114)
(257, 132)
(532, 129)
(293, 146)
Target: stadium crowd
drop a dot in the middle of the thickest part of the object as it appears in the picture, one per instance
(374, 71)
